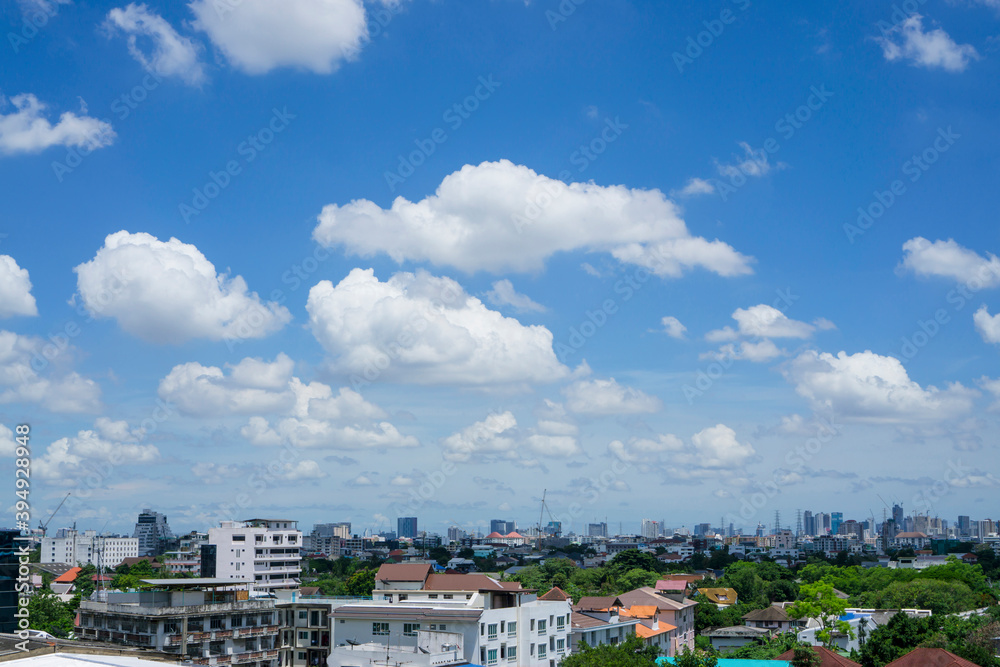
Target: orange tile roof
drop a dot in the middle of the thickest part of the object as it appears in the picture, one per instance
(640, 611)
(556, 594)
(827, 658)
(930, 657)
(68, 577)
(645, 633)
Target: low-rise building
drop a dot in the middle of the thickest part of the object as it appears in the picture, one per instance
(305, 639)
(208, 621)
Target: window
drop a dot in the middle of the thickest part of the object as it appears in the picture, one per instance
(301, 655)
(380, 629)
(561, 623)
(237, 622)
(511, 653)
(239, 538)
(561, 646)
(315, 618)
(303, 636)
(541, 650)
(541, 626)
(442, 627)
(403, 596)
(531, 628)
(303, 615)
(217, 623)
(433, 596)
(512, 629)
(491, 631)
(410, 629)
(491, 656)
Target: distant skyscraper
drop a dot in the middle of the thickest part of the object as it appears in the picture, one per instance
(501, 526)
(836, 518)
(456, 534)
(406, 526)
(597, 529)
(153, 532)
(897, 515)
(651, 529)
(554, 528)
(808, 523)
(964, 526)
(822, 523)
(702, 529)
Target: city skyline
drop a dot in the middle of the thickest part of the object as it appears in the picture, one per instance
(458, 261)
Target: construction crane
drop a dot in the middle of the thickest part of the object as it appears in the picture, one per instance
(45, 525)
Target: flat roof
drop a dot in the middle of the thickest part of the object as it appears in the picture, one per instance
(198, 581)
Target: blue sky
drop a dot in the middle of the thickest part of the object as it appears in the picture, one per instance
(342, 261)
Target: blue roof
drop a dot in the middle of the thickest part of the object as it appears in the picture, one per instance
(731, 662)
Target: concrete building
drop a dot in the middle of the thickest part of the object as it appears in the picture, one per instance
(501, 526)
(497, 623)
(597, 529)
(305, 639)
(153, 533)
(406, 526)
(265, 550)
(327, 539)
(87, 548)
(208, 621)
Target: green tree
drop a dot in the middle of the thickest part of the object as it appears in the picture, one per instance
(633, 652)
(631, 559)
(820, 601)
(361, 583)
(441, 555)
(50, 614)
(805, 656)
(695, 658)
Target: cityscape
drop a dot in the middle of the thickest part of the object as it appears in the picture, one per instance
(499, 333)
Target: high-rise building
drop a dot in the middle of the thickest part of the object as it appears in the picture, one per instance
(456, 534)
(597, 529)
(501, 526)
(702, 529)
(822, 523)
(9, 547)
(406, 526)
(153, 532)
(265, 551)
(651, 529)
(964, 526)
(326, 538)
(554, 528)
(808, 523)
(897, 515)
(836, 518)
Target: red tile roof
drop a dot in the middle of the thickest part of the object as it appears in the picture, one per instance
(827, 658)
(403, 572)
(679, 585)
(557, 594)
(930, 657)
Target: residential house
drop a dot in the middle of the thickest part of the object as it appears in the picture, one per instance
(727, 639)
(911, 539)
(597, 620)
(774, 619)
(930, 657)
(827, 658)
(720, 597)
(675, 609)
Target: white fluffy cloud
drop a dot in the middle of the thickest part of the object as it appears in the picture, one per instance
(710, 451)
(759, 324)
(499, 216)
(424, 329)
(309, 415)
(930, 49)
(504, 294)
(258, 36)
(696, 186)
(168, 292)
(673, 327)
(15, 289)
(872, 388)
(498, 438)
(752, 163)
(50, 385)
(100, 450)
(948, 259)
(171, 53)
(607, 397)
(27, 130)
(987, 325)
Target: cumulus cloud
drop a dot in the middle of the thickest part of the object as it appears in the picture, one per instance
(673, 327)
(607, 397)
(27, 130)
(711, 451)
(987, 325)
(258, 36)
(504, 294)
(992, 385)
(869, 387)
(15, 289)
(476, 221)
(932, 48)
(108, 445)
(948, 259)
(59, 390)
(497, 437)
(168, 292)
(308, 414)
(171, 54)
(424, 329)
(760, 324)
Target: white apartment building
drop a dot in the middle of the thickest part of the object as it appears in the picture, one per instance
(266, 550)
(499, 623)
(87, 547)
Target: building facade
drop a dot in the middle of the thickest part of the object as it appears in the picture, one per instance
(153, 533)
(87, 548)
(206, 621)
(263, 550)
(406, 526)
(305, 639)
